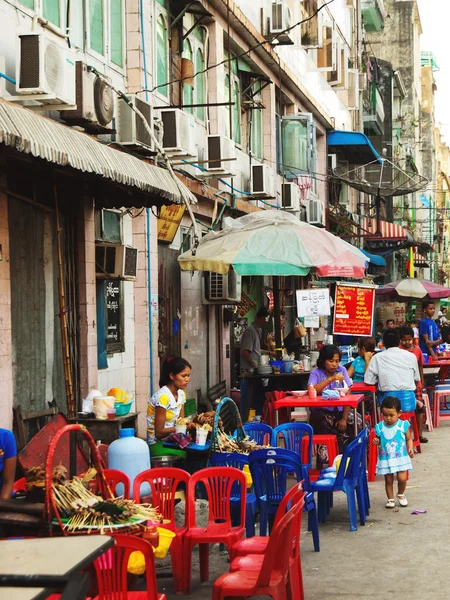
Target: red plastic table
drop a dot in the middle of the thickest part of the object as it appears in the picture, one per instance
(361, 388)
(351, 400)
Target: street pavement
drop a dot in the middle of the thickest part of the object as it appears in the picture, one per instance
(395, 555)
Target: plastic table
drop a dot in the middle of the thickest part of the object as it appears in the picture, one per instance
(352, 400)
(361, 387)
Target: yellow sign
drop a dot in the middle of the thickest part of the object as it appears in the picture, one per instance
(168, 222)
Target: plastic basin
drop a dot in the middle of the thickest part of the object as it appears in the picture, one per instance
(122, 408)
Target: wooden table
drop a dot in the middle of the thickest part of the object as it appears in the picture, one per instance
(352, 400)
(48, 562)
(107, 430)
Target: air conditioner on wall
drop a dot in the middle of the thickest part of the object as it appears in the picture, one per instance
(131, 131)
(280, 17)
(95, 102)
(291, 197)
(115, 261)
(222, 289)
(220, 147)
(315, 214)
(262, 180)
(45, 71)
(179, 132)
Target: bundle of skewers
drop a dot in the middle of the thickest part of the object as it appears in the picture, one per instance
(227, 443)
(82, 509)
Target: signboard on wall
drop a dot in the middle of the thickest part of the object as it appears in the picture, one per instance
(313, 303)
(169, 220)
(354, 310)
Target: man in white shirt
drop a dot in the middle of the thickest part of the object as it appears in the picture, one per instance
(394, 371)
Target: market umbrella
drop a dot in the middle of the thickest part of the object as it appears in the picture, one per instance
(414, 288)
(274, 243)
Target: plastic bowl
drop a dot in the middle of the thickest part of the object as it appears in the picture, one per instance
(122, 408)
(299, 393)
(165, 540)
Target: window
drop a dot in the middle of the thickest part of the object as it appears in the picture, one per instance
(51, 11)
(233, 95)
(299, 145)
(96, 29)
(188, 90)
(28, 3)
(161, 55)
(200, 96)
(108, 226)
(310, 28)
(116, 29)
(256, 141)
(327, 55)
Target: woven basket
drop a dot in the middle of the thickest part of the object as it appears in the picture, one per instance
(231, 420)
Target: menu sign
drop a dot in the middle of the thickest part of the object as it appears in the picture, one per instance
(354, 309)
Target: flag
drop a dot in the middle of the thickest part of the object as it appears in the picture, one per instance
(411, 263)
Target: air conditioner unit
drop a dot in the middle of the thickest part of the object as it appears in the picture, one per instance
(332, 161)
(222, 289)
(280, 18)
(262, 180)
(291, 197)
(131, 131)
(315, 213)
(179, 132)
(95, 102)
(115, 261)
(220, 148)
(45, 70)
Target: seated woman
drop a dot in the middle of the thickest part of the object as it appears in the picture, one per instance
(329, 375)
(366, 349)
(8, 460)
(167, 405)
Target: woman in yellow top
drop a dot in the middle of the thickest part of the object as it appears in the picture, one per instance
(167, 405)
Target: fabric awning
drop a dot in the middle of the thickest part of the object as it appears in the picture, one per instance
(31, 133)
(388, 231)
(353, 146)
(375, 259)
(420, 261)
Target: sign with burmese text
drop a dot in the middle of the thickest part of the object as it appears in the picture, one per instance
(353, 310)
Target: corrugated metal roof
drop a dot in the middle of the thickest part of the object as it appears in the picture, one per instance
(31, 133)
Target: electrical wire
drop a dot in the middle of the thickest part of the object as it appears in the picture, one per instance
(236, 57)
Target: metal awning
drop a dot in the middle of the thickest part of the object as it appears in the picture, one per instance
(31, 133)
(353, 146)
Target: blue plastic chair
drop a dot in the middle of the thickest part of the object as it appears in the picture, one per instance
(233, 459)
(350, 478)
(293, 435)
(270, 468)
(259, 432)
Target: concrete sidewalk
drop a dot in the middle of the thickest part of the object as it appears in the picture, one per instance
(396, 554)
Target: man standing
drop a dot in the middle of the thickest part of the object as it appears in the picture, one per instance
(250, 353)
(394, 371)
(429, 336)
(390, 324)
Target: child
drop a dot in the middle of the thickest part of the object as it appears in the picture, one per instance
(366, 349)
(396, 449)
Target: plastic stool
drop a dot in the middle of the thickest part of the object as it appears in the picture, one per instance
(372, 457)
(328, 440)
(439, 394)
(428, 414)
(411, 417)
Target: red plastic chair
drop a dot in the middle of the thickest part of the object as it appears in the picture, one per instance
(272, 577)
(258, 543)
(20, 485)
(164, 484)
(217, 483)
(253, 561)
(114, 478)
(111, 570)
(103, 451)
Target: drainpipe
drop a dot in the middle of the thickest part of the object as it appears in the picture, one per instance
(149, 269)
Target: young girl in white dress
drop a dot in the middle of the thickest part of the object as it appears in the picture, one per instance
(396, 450)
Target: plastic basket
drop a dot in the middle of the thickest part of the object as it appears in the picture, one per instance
(190, 407)
(122, 408)
(230, 416)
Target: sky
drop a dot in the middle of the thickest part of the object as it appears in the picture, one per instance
(435, 17)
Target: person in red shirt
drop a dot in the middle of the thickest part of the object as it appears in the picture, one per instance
(407, 343)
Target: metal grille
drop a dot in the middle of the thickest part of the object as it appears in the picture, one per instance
(141, 133)
(130, 264)
(29, 63)
(53, 66)
(216, 286)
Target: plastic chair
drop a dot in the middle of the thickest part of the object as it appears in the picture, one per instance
(348, 479)
(218, 483)
(238, 461)
(20, 485)
(428, 415)
(293, 435)
(411, 417)
(164, 484)
(111, 570)
(270, 469)
(115, 478)
(441, 392)
(103, 451)
(258, 543)
(259, 432)
(252, 561)
(272, 577)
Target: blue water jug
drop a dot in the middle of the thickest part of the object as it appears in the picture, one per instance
(131, 455)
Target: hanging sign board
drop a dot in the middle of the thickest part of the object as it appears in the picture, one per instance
(169, 220)
(354, 310)
(313, 303)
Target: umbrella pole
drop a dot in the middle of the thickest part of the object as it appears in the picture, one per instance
(276, 309)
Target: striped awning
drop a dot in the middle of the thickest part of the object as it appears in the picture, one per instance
(387, 231)
(31, 133)
(420, 261)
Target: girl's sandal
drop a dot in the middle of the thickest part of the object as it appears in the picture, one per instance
(402, 500)
(390, 503)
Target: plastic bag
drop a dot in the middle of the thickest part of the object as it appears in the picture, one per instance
(299, 330)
